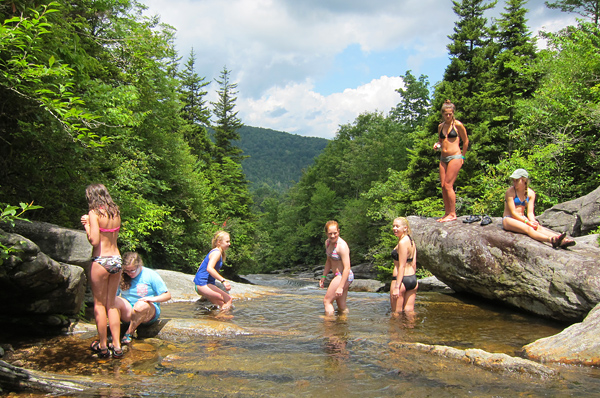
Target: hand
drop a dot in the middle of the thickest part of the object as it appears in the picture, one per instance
(534, 224)
(437, 146)
(395, 293)
(227, 286)
(339, 292)
(85, 219)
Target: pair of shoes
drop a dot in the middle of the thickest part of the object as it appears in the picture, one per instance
(471, 219)
(126, 339)
(557, 240)
(117, 353)
(486, 220)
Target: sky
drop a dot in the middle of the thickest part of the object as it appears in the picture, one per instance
(308, 66)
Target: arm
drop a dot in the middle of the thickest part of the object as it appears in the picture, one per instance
(462, 133)
(213, 257)
(438, 144)
(400, 265)
(344, 252)
(530, 212)
(161, 298)
(325, 271)
(90, 223)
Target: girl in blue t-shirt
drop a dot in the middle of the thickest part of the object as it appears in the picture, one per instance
(208, 273)
(140, 292)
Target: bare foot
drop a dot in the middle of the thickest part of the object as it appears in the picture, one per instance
(447, 218)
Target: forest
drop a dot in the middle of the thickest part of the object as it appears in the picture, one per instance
(95, 92)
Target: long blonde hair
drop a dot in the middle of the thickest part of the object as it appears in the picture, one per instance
(220, 236)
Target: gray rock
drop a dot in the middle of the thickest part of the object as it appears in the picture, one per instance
(433, 284)
(579, 344)
(485, 360)
(510, 268)
(366, 285)
(35, 284)
(65, 245)
(365, 271)
(577, 217)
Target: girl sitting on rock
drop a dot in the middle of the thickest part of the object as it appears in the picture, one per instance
(519, 216)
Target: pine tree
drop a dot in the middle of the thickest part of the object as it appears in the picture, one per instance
(195, 111)
(227, 123)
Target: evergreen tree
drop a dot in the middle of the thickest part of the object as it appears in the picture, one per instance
(227, 123)
(514, 79)
(585, 8)
(195, 111)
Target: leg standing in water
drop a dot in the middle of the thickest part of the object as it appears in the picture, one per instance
(403, 289)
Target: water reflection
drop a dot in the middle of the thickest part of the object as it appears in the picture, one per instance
(335, 339)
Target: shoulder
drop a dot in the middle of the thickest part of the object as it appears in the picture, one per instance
(530, 193)
(342, 245)
(510, 191)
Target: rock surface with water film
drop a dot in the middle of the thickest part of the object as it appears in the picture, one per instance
(579, 344)
(561, 284)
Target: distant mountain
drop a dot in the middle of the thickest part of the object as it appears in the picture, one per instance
(276, 158)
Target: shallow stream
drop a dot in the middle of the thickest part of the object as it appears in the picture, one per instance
(292, 350)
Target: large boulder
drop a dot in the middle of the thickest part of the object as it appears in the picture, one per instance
(65, 245)
(562, 284)
(37, 287)
(579, 344)
(577, 217)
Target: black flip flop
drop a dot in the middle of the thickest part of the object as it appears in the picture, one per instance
(486, 220)
(471, 219)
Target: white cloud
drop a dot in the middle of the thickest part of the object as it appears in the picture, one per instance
(297, 108)
(279, 51)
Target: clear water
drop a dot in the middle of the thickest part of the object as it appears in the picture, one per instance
(293, 350)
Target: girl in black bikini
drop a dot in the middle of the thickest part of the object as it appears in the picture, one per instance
(102, 225)
(403, 290)
(516, 220)
(450, 133)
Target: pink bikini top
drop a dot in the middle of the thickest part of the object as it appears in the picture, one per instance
(109, 229)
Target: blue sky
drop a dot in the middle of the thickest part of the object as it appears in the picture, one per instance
(309, 66)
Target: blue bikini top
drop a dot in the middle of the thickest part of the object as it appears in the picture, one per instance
(519, 202)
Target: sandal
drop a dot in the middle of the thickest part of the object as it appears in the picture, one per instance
(471, 219)
(104, 353)
(486, 220)
(567, 242)
(557, 240)
(95, 346)
(126, 339)
(117, 353)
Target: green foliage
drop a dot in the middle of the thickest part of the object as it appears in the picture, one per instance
(586, 8)
(275, 158)
(8, 216)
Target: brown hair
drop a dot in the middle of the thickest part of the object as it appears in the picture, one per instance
(219, 236)
(129, 258)
(100, 202)
(449, 105)
(330, 223)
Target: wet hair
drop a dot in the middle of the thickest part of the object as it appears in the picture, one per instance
(100, 202)
(404, 222)
(220, 236)
(129, 258)
(330, 223)
(448, 105)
